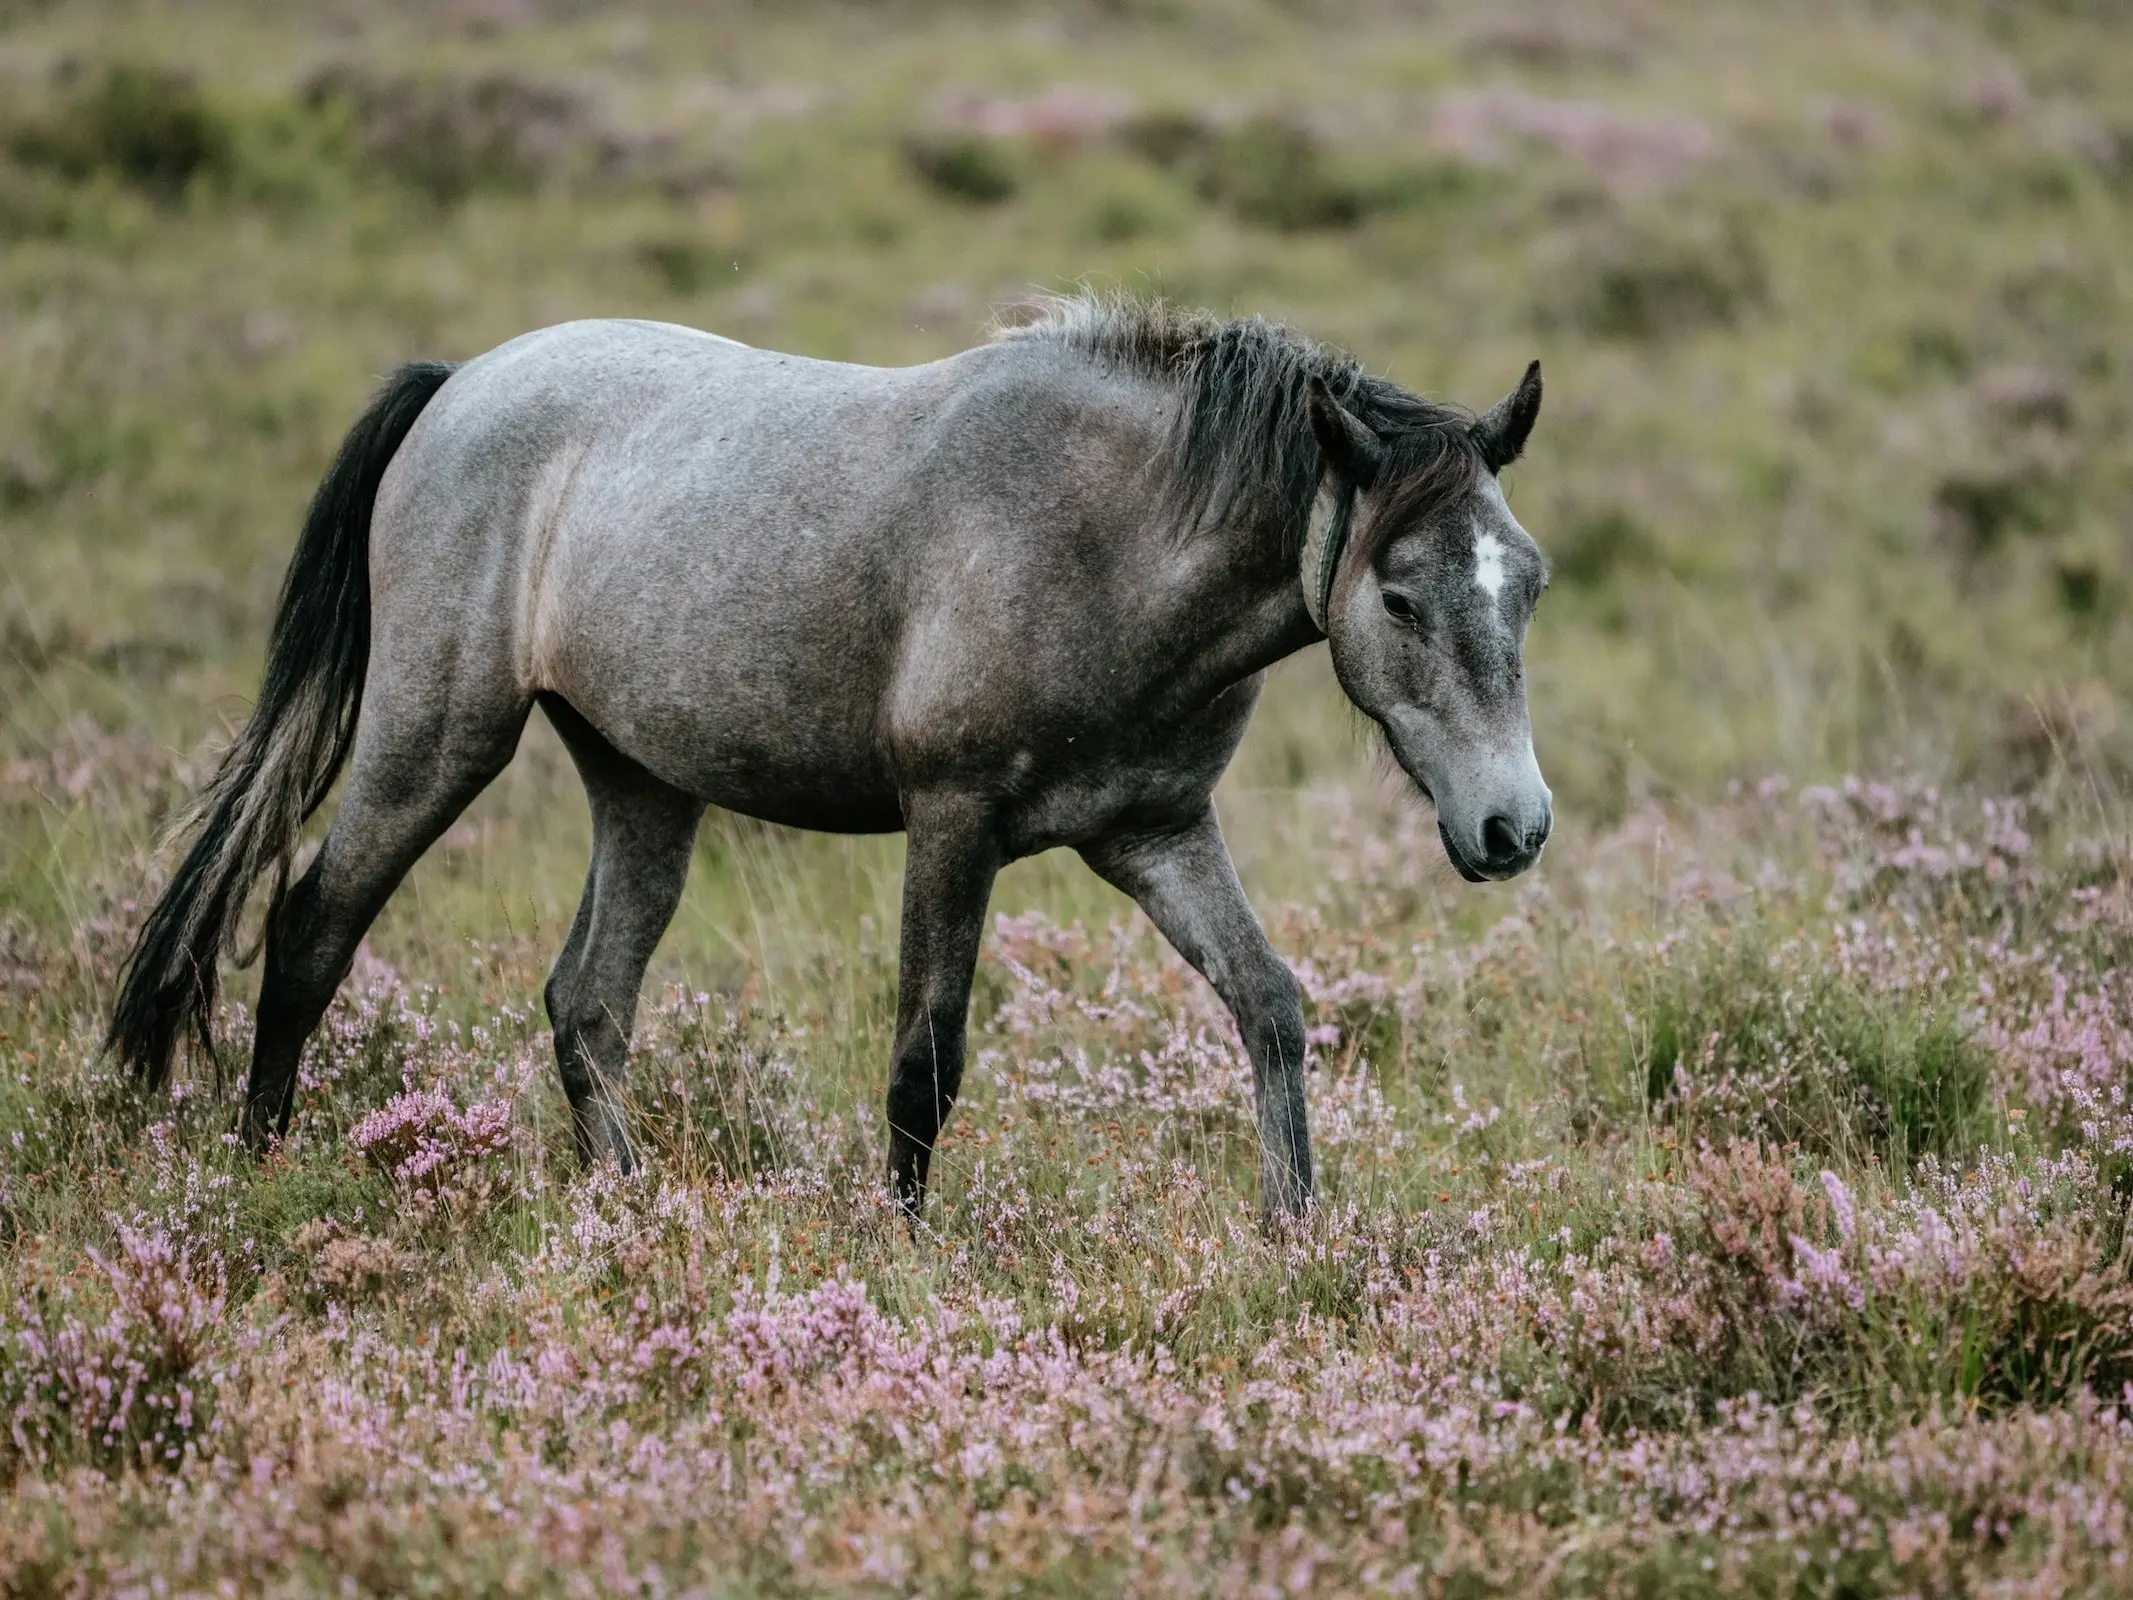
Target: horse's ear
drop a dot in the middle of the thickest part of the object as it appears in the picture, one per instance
(1502, 429)
(1347, 441)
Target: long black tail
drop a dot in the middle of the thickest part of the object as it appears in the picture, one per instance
(282, 765)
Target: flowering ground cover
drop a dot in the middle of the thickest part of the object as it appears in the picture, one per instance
(1738, 1209)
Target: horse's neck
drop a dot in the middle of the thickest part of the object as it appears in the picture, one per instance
(1237, 607)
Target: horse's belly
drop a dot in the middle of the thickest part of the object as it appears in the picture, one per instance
(791, 763)
(828, 802)
(728, 689)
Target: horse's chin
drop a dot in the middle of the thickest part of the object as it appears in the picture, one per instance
(1460, 865)
(1459, 862)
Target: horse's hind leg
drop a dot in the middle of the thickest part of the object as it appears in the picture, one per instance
(643, 833)
(411, 775)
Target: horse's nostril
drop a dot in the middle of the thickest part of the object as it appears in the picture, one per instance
(1500, 838)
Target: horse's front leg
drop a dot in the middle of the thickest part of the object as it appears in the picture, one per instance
(1184, 880)
(952, 858)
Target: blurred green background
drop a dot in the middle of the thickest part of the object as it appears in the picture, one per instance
(1833, 300)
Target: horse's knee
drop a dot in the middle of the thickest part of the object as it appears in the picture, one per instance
(575, 1006)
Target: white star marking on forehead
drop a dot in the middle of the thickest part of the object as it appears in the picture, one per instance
(1488, 565)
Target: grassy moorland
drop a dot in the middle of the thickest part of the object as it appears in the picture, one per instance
(1737, 1205)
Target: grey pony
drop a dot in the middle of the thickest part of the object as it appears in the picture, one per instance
(1019, 598)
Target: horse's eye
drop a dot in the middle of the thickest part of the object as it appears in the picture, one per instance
(1401, 608)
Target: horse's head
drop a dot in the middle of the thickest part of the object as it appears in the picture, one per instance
(1425, 603)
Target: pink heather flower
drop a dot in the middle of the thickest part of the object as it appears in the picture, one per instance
(1840, 1204)
(422, 1140)
(1820, 1275)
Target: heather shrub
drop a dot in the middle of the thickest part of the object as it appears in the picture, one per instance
(719, 1093)
(1269, 169)
(144, 125)
(1742, 1037)
(437, 1155)
(1273, 172)
(119, 1378)
(373, 1036)
(2068, 1055)
(1904, 847)
(335, 1263)
(963, 165)
(74, 1113)
(309, 1183)
(1645, 278)
(2006, 1287)
(448, 137)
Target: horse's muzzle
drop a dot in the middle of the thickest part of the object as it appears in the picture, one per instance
(1507, 846)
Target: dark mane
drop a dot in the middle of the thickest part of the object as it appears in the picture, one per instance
(1241, 447)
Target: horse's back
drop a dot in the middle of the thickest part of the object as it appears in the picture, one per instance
(704, 547)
